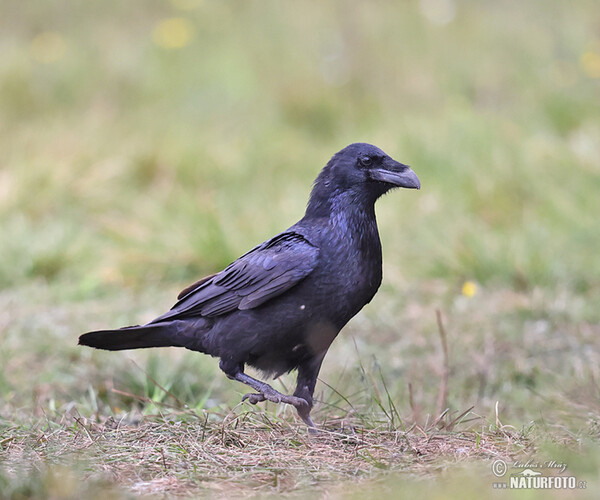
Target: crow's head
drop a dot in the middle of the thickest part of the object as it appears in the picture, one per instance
(363, 172)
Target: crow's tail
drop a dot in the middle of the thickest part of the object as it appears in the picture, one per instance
(131, 337)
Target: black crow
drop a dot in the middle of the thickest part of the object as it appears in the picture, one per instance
(279, 306)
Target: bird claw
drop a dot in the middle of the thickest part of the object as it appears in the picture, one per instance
(275, 397)
(253, 398)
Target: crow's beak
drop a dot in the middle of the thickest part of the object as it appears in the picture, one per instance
(397, 174)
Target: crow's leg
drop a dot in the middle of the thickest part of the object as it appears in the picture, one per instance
(305, 386)
(307, 377)
(266, 392)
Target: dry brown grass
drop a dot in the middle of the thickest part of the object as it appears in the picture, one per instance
(248, 452)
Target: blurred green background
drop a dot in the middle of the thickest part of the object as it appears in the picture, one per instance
(153, 141)
(145, 144)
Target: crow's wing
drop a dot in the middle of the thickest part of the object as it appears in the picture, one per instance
(263, 273)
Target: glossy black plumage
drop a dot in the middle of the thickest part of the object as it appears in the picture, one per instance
(279, 306)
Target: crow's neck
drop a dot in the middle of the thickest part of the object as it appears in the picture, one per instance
(359, 203)
(350, 214)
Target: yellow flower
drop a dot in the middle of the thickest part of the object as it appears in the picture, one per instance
(48, 47)
(173, 33)
(469, 289)
(590, 64)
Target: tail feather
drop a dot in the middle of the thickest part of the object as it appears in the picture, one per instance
(131, 337)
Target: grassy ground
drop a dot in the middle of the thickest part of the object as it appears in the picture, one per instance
(145, 144)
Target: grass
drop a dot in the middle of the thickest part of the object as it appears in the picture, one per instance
(168, 423)
(146, 145)
(249, 453)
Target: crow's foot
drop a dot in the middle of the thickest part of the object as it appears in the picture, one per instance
(269, 394)
(264, 392)
(253, 398)
(300, 404)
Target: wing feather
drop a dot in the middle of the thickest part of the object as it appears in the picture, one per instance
(265, 272)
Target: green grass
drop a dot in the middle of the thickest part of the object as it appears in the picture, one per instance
(128, 170)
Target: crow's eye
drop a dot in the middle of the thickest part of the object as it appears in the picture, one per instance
(366, 161)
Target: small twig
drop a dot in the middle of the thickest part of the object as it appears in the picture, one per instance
(498, 423)
(169, 393)
(450, 426)
(411, 401)
(442, 400)
(82, 425)
(440, 417)
(422, 431)
(145, 399)
(162, 452)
